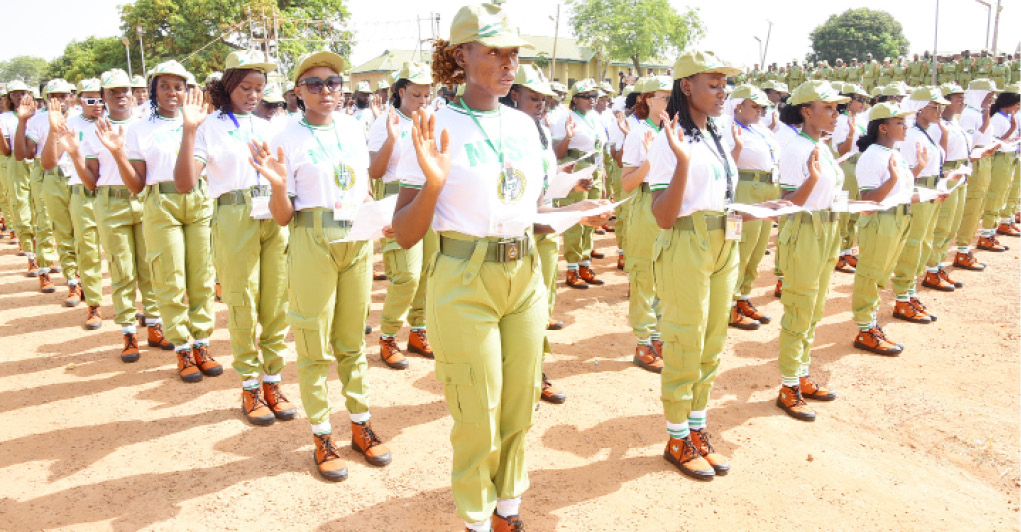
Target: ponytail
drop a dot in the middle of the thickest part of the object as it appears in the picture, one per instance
(871, 135)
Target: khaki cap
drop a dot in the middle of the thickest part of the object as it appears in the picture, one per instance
(530, 77)
(16, 85)
(951, 88)
(323, 58)
(415, 73)
(750, 92)
(582, 86)
(928, 94)
(1014, 88)
(885, 110)
(137, 82)
(487, 24)
(654, 83)
(57, 86)
(691, 63)
(778, 86)
(363, 86)
(249, 60)
(893, 90)
(272, 94)
(116, 78)
(382, 85)
(816, 91)
(851, 89)
(983, 84)
(89, 85)
(170, 68)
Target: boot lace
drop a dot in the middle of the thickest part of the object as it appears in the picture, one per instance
(327, 448)
(517, 525)
(706, 446)
(93, 312)
(130, 340)
(368, 437)
(185, 359)
(257, 400)
(278, 394)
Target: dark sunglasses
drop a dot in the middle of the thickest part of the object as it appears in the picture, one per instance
(269, 105)
(315, 85)
(586, 96)
(859, 99)
(92, 101)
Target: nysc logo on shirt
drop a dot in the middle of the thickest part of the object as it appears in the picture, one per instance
(344, 177)
(511, 186)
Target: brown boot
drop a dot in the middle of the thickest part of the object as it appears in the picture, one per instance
(791, 401)
(511, 523)
(989, 243)
(740, 321)
(281, 407)
(1007, 229)
(917, 303)
(589, 276)
(365, 441)
(94, 319)
(219, 291)
(746, 307)
(620, 262)
(946, 278)
(647, 359)
(904, 310)
(130, 351)
(658, 346)
(700, 439)
(255, 408)
(379, 277)
(205, 362)
(554, 325)
(418, 343)
(778, 291)
(852, 260)
(934, 281)
(967, 261)
(391, 354)
(156, 338)
(811, 390)
(574, 280)
(74, 295)
(843, 265)
(682, 453)
(45, 284)
(599, 231)
(331, 466)
(186, 367)
(550, 393)
(55, 268)
(874, 341)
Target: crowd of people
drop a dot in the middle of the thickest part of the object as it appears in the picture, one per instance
(244, 191)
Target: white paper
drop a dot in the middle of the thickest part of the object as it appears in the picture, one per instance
(764, 212)
(561, 221)
(926, 194)
(977, 151)
(574, 161)
(942, 186)
(857, 206)
(845, 157)
(372, 217)
(561, 184)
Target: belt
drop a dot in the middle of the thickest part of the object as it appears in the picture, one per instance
(899, 209)
(80, 190)
(854, 158)
(824, 216)
(507, 250)
(712, 222)
(308, 219)
(120, 192)
(1010, 154)
(645, 187)
(238, 197)
(760, 176)
(927, 182)
(954, 165)
(166, 187)
(391, 188)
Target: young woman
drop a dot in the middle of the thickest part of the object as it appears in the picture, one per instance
(317, 174)
(850, 127)
(248, 247)
(925, 156)
(119, 216)
(26, 179)
(644, 310)
(808, 241)
(175, 220)
(976, 120)
(882, 174)
(405, 293)
(1001, 199)
(757, 154)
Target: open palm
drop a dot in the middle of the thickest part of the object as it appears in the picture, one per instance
(434, 161)
(113, 138)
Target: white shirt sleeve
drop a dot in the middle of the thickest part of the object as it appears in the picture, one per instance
(871, 174)
(662, 162)
(378, 133)
(559, 129)
(793, 167)
(201, 148)
(408, 171)
(133, 146)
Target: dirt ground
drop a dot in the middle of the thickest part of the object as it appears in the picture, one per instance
(927, 441)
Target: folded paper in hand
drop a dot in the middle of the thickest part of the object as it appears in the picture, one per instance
(372, 218)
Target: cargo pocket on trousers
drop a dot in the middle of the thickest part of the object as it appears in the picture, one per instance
(306, 336)
(460, 391)
(157, 273)
(240, 308)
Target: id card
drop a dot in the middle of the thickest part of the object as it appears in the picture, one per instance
(504, 219)
(840, 201)
(775, 178)
(734, 222)
(260, 208)
(346, 208)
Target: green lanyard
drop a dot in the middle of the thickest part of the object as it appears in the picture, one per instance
(336, 167)
(485, 135)
(653, 126)
(825, 150)
(587, 122)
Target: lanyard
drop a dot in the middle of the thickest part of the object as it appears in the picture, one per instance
(825, 151)
(336, 167)
(587, 122)
(652, 125)
(772, 157)
(251, 130)
(722, 156)
(485, 135)
(938, 150)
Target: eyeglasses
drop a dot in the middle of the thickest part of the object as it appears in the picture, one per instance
(858, 98)
(92, 101)
(315, 85)
(586, 96)
(269, 105)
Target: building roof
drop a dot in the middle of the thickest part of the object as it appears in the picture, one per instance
(392, 61)
(570, 50)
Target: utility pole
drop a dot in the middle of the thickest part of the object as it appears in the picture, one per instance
(989, 18)
(996, 26)
(935, 41)
(556, 35)
(141, 50)
(766, 48)
(127, 52)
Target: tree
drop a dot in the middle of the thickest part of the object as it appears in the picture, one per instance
(857, 32)
(635, 30)
(88, 59)
(31, 70)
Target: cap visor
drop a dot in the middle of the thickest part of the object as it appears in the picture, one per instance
(265, 68)
(726, 70)
(506, 40)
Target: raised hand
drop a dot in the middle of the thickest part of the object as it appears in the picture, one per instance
(569, 127)
(56, 118)
(376, 105)
(738, 141)
(622, 123)
(27, 108)
(814, 166)
(675, 137)
(272, 167)
(194, 109)
(112, 138)
(921, 154)
(393, 124)
(67, 138)
(647, 141)
(435, 162)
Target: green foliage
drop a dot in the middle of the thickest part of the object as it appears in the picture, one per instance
(635, 30)
(88, 59)
(31, 70)
(857, 32)
(542, 60)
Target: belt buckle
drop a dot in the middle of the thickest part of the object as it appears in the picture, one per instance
(509, 250)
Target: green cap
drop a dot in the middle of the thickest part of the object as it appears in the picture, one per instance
(137, 82)
(487, 24)
(382, 84)
(606, 88)
(288, 86)
(876, 91)
(16, 85)
(363, 86)
(272, 94)
(850, 89)
(582, 86)
(558, 87)
(884, 110)
(35, 93)
(324, 58)
(697, 62)
(893, 90)
(170, 68)
(249, 60)
(951, 88)
(56, 86)
(778, 86)
(416, 73)
(213, 76)
(628, 89)
(116, 78)
(928, 94)
(531, 77)
(1014, 88)
(983, 84)
(750, 92)
(89, 85)
(654, 83)
(816, 90)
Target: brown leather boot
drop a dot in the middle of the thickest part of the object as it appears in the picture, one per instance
(746, 307)
(205, 362)
(598, 231)
(255, 408)
(791, 401)
(186, 367)
(934, 281)
(917, 303)
(658, 346)
(647, 359)
(550, 393)
(967, 261)
(391, 354)
(874, 341)
(45, 284)
(74, 295)
(94, 319)
(904, 310)
(1007, 230)
(219, 291)
(554, 325)
(811, 390)
(989, 243)
(511, 523)
(589, 276)
(778, 291)
(852, 260)
(55, 268)
(740, 321)
(156, 338)
(946, 278)
(574, 280)
(418, 343)
(130, 351)
(281, 407)
(682, 453)
(843, 265)
(331, 466)
(365, 441)
(700, 439)
(379, 277)
(620, 262)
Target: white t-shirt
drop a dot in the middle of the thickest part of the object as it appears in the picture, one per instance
(8, 124)
(784, 134)
(917, 137)
(589, 134)
(707, 187)
(958, 142)
(326, 165)
(759, 149)
(365, 119)
(617, 137)
(873, 170)
(82, 128)
(156, 140)
(634, 149)
(549, 163)
(843, 129)
(378, 135)
(92, 148)
(479, 198)
(37, 129)
(794, 171)
(971, 123)
(224, 149)
(998, 126)
(556, 115)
